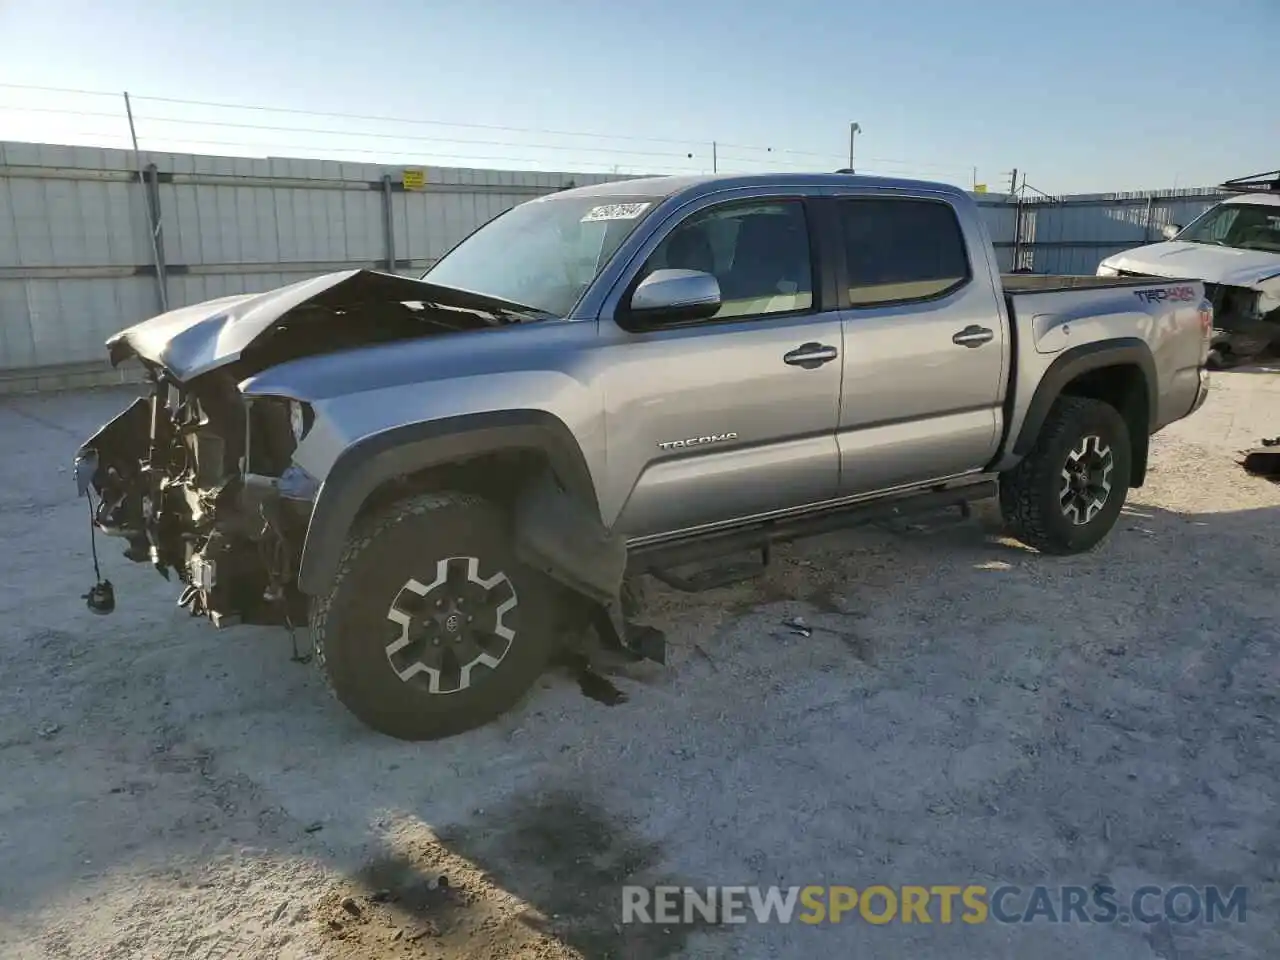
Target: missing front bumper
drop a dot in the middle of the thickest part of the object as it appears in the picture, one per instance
(166, 477)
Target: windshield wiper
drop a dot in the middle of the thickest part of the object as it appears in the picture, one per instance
(493, 315)
(507, 311)
(520, 313)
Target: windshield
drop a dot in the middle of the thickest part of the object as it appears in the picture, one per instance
(1248, 226)
(544, 253)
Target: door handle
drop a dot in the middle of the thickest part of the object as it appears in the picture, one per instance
(810, 356)
(973, 336)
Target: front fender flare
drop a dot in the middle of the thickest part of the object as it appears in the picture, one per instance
(369, 463)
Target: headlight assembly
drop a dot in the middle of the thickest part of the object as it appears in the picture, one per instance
(300, 418)
(276, 425)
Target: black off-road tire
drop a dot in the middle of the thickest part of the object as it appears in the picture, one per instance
(351, 625)
(1031, 499)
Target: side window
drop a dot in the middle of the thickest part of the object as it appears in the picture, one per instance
(902, 250)
(759, 252)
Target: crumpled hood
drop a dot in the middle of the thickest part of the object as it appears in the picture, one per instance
(193, 340)
(1200, 261)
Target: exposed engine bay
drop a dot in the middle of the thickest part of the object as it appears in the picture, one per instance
(197, 478)
(191, 479)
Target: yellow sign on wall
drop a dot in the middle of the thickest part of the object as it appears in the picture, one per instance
(979, 188)
(415, 179)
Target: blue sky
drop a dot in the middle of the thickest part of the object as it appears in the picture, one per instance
(1083, 95)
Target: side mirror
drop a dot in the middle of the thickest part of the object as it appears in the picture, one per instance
(675, 296)
(1170, 230)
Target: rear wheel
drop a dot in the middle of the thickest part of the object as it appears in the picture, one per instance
(1066, 494)
(431, 626)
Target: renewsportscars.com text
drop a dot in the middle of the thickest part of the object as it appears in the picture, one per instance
(938, 903)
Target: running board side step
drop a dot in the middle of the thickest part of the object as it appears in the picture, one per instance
(717, 575)
(657, 559)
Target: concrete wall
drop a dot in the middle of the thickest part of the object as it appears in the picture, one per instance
(76, 259)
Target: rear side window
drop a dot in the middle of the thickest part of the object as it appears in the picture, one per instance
(758, 251)
(901, 250)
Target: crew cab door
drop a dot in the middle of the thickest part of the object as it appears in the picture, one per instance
(735, 416)
(926, 346)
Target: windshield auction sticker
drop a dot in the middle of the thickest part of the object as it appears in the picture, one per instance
(615, 211)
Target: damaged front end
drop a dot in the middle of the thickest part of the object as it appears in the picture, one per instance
(198, 481)
(197, 478)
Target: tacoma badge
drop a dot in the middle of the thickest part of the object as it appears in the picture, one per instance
(696, 441)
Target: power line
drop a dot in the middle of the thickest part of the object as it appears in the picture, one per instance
(62, 110)
(421, 157)
(442, 141)
(87, 93)
(908, 170)
(910, 164)
(966, 167)
(153, 146)
(402, 136)
(685, 142)
(385, 119)
(353, 116)
(917, 164)
(347, 133)
(292, 151)
(841, 157)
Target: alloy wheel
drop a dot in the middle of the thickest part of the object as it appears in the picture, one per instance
(454, 629)
(1086, 480)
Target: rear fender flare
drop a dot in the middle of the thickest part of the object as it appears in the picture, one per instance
(1073, 363)
(369, 463)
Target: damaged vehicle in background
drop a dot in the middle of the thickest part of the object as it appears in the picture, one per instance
(450, 478)
(1234, 249)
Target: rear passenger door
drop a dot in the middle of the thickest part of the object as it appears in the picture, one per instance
(749, 397)
(925, 345)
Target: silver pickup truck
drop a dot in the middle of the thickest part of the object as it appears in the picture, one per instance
(447, 477)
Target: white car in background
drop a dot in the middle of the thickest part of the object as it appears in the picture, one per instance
(1234, 249)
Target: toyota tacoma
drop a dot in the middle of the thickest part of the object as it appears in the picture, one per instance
(446, 478)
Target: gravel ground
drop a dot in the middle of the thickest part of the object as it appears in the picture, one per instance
(964, 711)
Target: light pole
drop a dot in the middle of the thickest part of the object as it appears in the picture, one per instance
(854, 130)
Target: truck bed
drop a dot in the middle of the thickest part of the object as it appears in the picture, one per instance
(1052, 315)
(1105, 305)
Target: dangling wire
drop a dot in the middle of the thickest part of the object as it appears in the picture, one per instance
(93, 538)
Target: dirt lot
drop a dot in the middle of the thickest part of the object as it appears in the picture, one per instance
(968, 712)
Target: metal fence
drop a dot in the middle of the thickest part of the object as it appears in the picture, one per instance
(77, 261)
(1073, 234)
(77, 224)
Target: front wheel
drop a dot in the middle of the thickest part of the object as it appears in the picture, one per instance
(1066, 494)
(431, 626)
